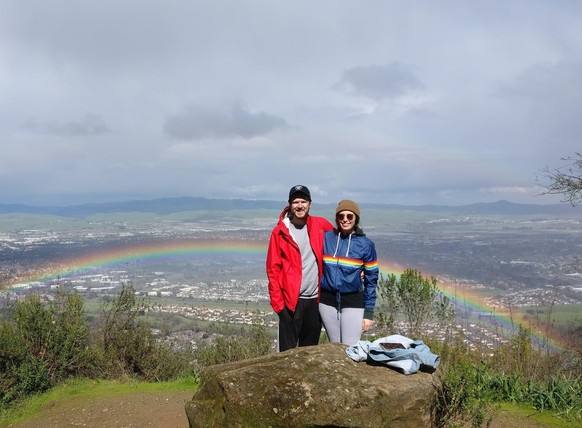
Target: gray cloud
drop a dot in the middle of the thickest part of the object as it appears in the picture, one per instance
(547, 101)
(89, 125)
(196, 122)
(379, 82)
(548, 81)
(433, 102)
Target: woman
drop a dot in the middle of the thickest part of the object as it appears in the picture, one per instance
(350, 276)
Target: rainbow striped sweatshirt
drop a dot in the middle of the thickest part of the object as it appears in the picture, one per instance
(344, 259)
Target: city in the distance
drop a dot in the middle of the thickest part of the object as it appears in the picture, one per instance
(201, 259)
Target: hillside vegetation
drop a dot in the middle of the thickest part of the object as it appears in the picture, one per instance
(48, 343)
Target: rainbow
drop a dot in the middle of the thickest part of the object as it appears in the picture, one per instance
(131, 255)
(128, 255)
(468, 300)
(504, 320)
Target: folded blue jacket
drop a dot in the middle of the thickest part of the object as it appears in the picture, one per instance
(413, 357)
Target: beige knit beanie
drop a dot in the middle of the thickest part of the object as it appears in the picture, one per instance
(347, 205)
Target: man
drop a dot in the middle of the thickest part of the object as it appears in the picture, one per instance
(294, 265)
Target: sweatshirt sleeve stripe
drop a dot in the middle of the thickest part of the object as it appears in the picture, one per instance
(343, 261)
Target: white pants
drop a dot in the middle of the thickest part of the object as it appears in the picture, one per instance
(344, 326)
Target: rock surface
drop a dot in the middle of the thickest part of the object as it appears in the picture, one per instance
(310, 387)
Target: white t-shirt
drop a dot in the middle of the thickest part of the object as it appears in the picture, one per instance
(310, 272)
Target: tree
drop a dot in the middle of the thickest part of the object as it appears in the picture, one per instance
(566, 180)
(416, 299)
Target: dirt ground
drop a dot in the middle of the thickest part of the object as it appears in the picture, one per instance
(136, 410)
(506, 420)
(157, 410)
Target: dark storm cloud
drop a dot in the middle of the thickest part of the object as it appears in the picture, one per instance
(89, 125)
(379, 82)
(196, 122)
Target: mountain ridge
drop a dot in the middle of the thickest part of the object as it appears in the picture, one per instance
(186, 203)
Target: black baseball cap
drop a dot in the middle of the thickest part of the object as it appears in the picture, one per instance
(299, 191)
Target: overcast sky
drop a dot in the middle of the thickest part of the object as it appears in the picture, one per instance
(407, 102)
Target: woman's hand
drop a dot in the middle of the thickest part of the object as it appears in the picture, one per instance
(367, 325)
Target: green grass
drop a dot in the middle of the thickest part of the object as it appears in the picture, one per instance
(224, 304)
(564, 315)
(31, 407)
(13, 222)
(93, 304)
(547, 419)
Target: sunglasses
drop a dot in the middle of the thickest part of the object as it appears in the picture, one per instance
(348, 216)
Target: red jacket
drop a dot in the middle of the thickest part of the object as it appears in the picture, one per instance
(284, 269)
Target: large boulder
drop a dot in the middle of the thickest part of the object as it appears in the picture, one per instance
(312, 386)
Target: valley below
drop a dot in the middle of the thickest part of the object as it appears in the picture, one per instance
(208, 267)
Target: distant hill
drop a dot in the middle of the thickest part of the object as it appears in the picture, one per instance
(173, 205)
(157, 206)
(499, 208)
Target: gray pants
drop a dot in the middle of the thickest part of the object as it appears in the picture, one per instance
(344, 326)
